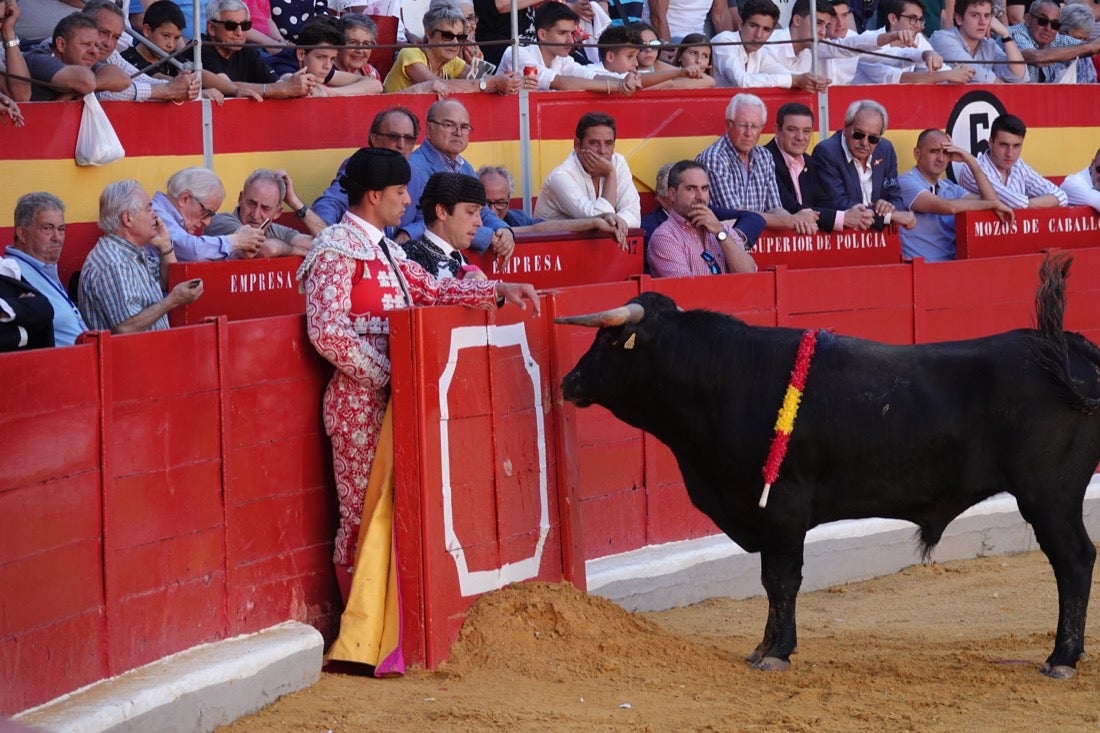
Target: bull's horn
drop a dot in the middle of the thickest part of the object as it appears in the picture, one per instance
(629, 313)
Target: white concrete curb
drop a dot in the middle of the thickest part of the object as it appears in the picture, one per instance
(677, 574)
(194, 690)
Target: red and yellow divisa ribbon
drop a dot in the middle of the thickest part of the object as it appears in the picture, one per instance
(784, 421)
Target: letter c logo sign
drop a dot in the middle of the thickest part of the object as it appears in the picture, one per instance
(969, 123)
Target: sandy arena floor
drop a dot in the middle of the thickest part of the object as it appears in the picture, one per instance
(951, 647)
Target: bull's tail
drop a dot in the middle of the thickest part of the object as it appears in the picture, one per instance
(1052, 347)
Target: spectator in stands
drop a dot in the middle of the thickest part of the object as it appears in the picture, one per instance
(236, 69)
(346, 322)
(122, 281)
(593, 180)
(139, 7)
(650, 51)
(12, 88)
(162, 25)
(694, 50)
(693, 241)
(674, 19)
(903, 68)
(447, 137)
(619, 51)
(39, 237)
(259, 203)
(395, 128)
(935, 200)
(794, 172)
(1048, 53)
(1083, 187)
(26, 316)
(111, 24)
(971, 39)
(742, 173)
(796, 58)
(550, 60)
(70, 63)
(1016, 183)
(441, 60)
(190, 200)
(316, 54)
(749, 224)
(360, 35)
(494, 24)
(451, 204)
(739, 55)
(499, 185)
(857, 165)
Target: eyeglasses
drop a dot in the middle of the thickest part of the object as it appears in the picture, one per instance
(654, 42)
(464, 128)
(232, 25)
(715, 268)
(471, 20)
(206, 213)
(914, 19)
(449, 37)
(873, 139)
(359, 44)
(747, 126)
(396, 137)
(499, 203)
(1044, 22)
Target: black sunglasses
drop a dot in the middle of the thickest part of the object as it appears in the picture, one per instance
(232, 25)
(448, 37)
(873, 139)
(1044, 22)
(712, 263)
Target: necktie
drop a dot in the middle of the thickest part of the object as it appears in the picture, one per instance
(396, 273)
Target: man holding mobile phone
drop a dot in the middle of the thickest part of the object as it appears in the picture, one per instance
(259, 204)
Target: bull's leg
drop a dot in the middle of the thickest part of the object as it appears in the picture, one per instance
(781, 574)
(1062, 537)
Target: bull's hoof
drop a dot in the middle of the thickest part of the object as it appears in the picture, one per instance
(755, 657)
(1058, 671)
(771, 664)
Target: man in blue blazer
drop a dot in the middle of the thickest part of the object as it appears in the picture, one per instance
(858, 166)
(794, 126)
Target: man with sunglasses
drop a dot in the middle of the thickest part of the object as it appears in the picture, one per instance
(237, 69)
(858, 166)
(692, 241)
(1048, 53)
(1083, 187)
(971, 39)
(190, 201)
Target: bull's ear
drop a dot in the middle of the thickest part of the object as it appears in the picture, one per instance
(629, 339)
(629, 343)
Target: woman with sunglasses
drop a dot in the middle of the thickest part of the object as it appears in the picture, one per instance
(440, 60)
(650, 49)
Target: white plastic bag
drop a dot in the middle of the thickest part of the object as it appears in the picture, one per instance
(96, 141)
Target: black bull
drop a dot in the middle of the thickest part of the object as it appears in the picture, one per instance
(918, 433)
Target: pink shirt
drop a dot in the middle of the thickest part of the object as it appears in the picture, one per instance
(676, 250)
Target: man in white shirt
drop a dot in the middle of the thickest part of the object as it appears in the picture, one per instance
(593, 180)
(1016, 183)
(903, 68)
(549, 65)
(1083, 187)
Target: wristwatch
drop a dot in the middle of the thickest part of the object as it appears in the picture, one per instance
(483, 84)
(721, 236)
(13, 43)
(301, 213)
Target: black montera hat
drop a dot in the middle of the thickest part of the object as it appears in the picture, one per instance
(450, 189)
(373, 169)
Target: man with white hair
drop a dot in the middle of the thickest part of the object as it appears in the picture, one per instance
(191, 199)
(858, 166)
(122, 278)
(238, 69)
(742, 172)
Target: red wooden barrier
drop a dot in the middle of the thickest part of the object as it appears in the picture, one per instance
(239, 289)
(980, 234)
(561, 259)
(828, 249)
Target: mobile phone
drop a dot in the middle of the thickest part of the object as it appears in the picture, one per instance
(263, 227)
(194, 283)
